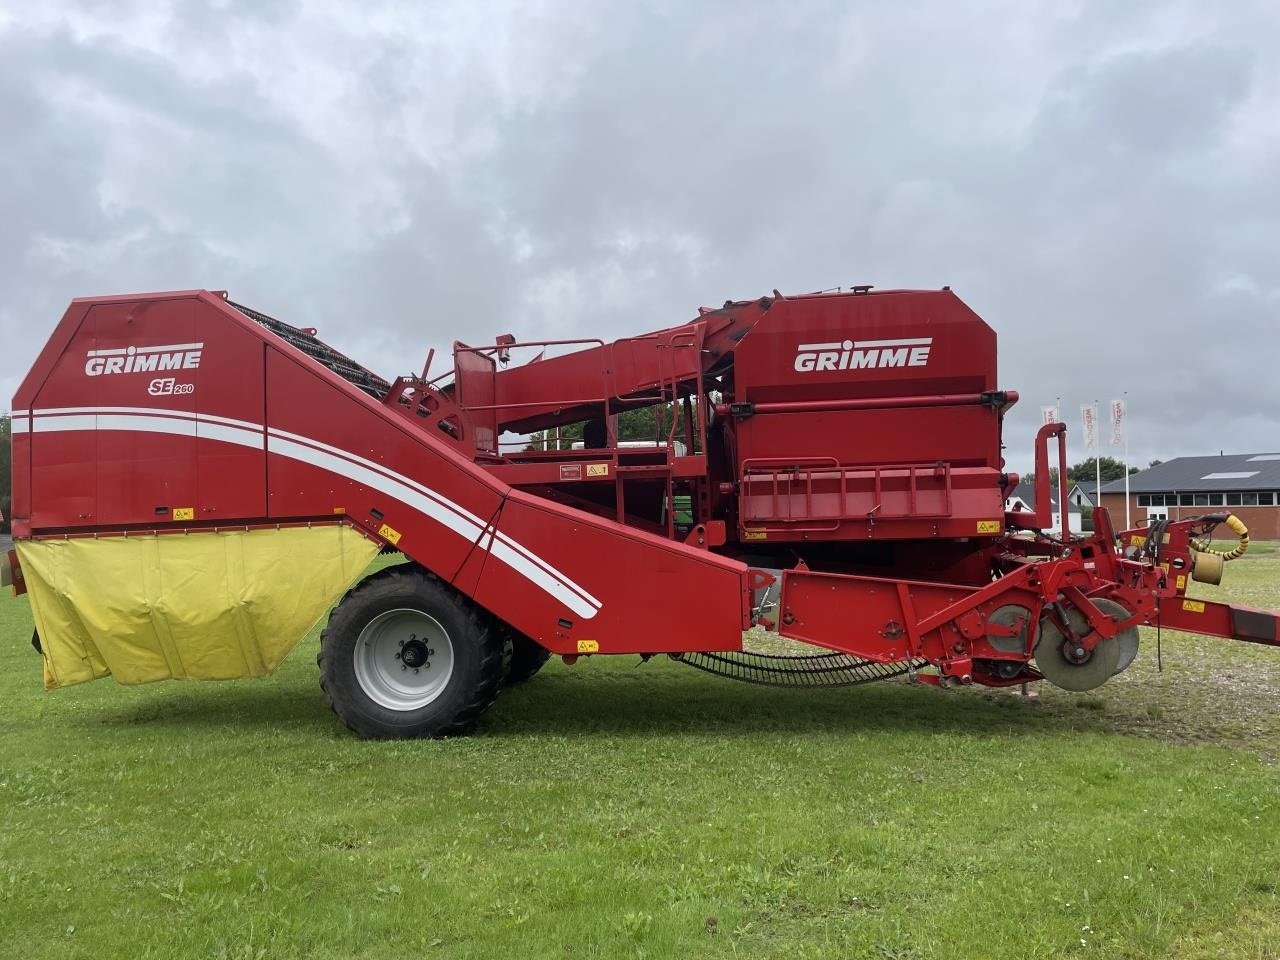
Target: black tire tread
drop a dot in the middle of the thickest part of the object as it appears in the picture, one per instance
(412, 576)
(525, 656)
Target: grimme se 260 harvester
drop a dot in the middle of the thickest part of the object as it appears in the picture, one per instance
(195, 483)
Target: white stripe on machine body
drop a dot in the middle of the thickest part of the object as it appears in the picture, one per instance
(441, 509)
(337, 461)
(505, 544)
(179, 424)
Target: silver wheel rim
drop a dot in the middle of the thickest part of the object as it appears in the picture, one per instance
(403, 659)
(1061, 672)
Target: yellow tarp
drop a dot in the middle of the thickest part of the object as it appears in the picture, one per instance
(209, 606)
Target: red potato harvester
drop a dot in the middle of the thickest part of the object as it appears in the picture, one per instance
(195, 483)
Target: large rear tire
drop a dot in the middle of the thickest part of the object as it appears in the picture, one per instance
(405, 655)
(524, 656)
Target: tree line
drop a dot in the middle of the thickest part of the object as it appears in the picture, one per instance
(1085, 471)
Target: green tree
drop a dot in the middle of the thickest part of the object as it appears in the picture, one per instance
(6, 471)
(1053, 478)
(1084, 471)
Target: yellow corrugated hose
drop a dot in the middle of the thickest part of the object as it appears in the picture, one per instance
(1239, 529)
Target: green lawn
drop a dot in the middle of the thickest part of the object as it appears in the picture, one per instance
(621, 810)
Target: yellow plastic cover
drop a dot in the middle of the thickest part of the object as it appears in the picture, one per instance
(208, 606)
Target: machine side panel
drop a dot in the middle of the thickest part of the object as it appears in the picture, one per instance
(571, 387)
(474, 382)
(868, 416)
(633, 592)
(20, 474)
(232, 426)
(63, 465)
(554, 573)
(119, 420)
(333, 452)
(899, 344)
(140, 471)
(961, 436)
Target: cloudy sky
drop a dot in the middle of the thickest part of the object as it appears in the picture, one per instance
(1099, 180)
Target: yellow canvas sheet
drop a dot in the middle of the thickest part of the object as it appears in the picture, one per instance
(209, 606)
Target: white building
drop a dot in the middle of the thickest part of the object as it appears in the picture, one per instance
(1023, 498)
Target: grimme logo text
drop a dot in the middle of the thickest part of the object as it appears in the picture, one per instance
(173, 356)
(863, 354)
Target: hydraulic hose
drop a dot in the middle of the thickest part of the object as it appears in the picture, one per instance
(1239, 529)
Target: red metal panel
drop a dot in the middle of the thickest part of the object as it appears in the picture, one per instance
(139, 472)
(64, 481)
(324, 440)
(868, 617)
(555, 573)
(1221, 620)
(230, 383)
(566, 388)
(892, 502)
(20, 503)
(637, 580)
(924, 341)
(966, 436)
(114, 441)
(63, 466)
(475, 388)
(846, 351)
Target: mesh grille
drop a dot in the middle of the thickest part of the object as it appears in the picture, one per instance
(320, 351)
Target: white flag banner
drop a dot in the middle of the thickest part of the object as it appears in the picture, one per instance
(1089, 417)
(1117, 422)
(1049, 415)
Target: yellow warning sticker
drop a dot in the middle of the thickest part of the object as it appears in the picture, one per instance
(988, 526)
(749, 534)
(184, 513)
(1137, 541)
(388, 534)
(1193, 606)
(597, 469)
(588, 646)
(1181, 582)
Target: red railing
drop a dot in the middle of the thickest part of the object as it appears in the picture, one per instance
(784, 491)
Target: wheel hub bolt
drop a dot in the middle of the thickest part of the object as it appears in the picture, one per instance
(415, 654)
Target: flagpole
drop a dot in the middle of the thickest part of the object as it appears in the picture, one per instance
(1097, 460)
(1127, 524)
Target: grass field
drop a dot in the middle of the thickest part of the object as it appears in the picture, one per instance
(614, 810)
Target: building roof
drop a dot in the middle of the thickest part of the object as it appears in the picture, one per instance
(1233, 471)
(1026, 492)
(1088, 488)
